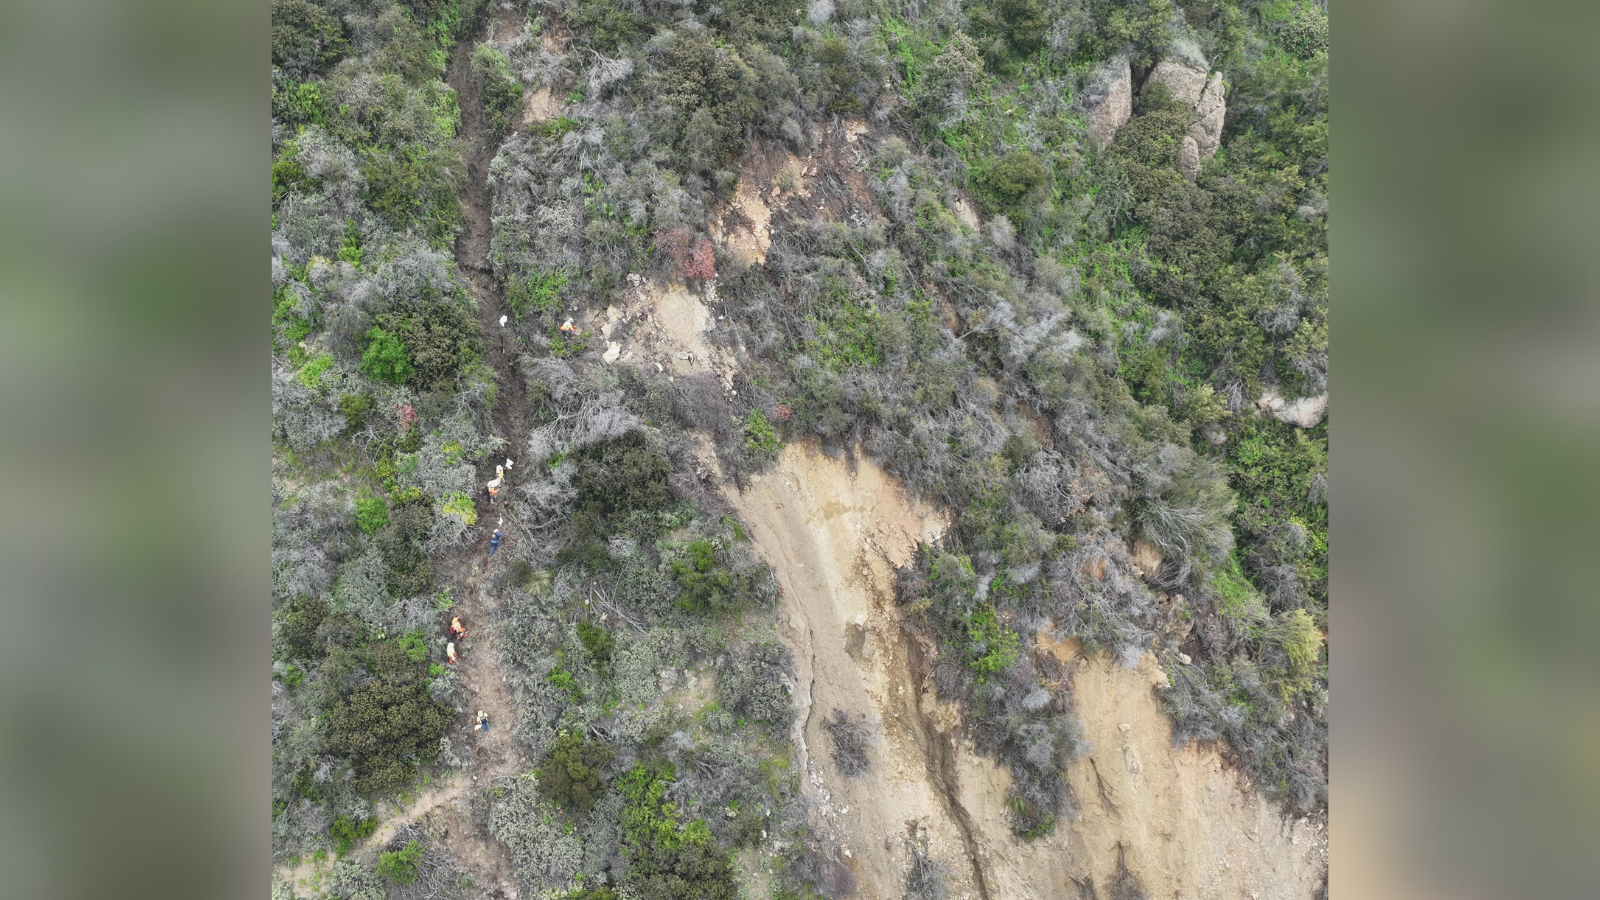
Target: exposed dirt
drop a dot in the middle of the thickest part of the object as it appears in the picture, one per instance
(1190, 827)
(833, 533)
(743, 229)
(662, 327)
(543, 103)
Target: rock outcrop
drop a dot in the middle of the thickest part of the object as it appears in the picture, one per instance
(1206, 96)
(1209, 111)
(1183, 79)
(1301, 412)
(1109, 101)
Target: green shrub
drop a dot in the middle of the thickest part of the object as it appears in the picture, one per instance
(1238, 601)
(310, 374)
(619, 479)
(346, 833)
(848, 331)
(461, 507)
(991, 645)
(605, 25)
(1306, 34)
(298, 628)
(305, 38)
(401, 865)
(299, 103)
(438, 340)
(500, 91)
(570, 773)
(1015, 176)
(415, 645)
(1013, 26)
(288, 175)
(356, 408)
(537, 292)
(1295, 635)
(668, 860)
(705, 586)
(385, 357)
(350, 250)
(712, 93)
(567, 682)
(597, 642)
(759, 435)
(400, 542)
(372, 513)
(388, 723)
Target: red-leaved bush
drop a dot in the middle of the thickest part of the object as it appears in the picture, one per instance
(675, 245)
(703, 264)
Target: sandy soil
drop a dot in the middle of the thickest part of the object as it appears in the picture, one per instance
(662, 327)
(1190, 828)
(833, 533)
(743, 229)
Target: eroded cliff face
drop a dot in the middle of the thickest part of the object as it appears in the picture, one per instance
(1187, 826)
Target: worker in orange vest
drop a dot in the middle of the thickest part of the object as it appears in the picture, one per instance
(494, 490)
(456, 631)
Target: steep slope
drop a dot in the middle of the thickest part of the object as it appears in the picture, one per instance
(1187, 825)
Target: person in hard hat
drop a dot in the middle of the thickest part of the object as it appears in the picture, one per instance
(494, 542)
(482, 723)
(450, 653)
(457, 632)
(494, 490)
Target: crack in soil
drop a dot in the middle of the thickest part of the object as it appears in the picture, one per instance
(939, 754)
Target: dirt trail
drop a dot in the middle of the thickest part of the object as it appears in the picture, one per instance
(1190, 827)
(483, 680)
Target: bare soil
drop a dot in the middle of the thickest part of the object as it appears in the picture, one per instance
(834, 529)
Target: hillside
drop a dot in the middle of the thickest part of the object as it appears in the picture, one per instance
(917, 427)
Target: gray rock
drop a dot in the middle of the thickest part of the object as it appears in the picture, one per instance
(1109, 101)
(1301, 412)
(1189, 157)
(1210, 110)
(1206, 96)
(1184, 80)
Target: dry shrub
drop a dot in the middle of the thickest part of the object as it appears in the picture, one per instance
(852, 735)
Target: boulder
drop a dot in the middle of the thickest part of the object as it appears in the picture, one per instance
(1301, 412)
(1206, 96)
(1189, 157)
(1109, 101)
(1182, 79)
(1209, 111)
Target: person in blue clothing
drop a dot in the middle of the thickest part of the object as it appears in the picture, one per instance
(494, 542)
(482, 724)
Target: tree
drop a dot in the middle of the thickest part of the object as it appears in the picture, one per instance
(298, 629)
(305, 39)
(570, 774)
(388, 723)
